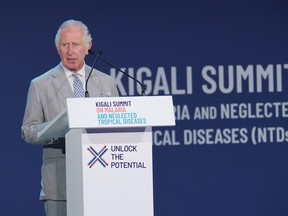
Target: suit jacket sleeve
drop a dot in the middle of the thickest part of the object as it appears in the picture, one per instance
(33, 120)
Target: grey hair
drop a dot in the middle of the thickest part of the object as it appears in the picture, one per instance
(73, 23)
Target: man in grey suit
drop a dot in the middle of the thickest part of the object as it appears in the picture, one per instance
(47, 98)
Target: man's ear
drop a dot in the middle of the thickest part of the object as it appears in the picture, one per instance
(89, 47)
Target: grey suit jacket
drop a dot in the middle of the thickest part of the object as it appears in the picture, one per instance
(46, 99)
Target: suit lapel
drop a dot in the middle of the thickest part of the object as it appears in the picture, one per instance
(61, 82)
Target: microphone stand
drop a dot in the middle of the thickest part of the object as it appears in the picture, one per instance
(136, 80)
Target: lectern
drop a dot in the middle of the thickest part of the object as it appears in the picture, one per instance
(109, 168)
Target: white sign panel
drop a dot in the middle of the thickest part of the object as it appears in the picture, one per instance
(117, 173)
(120, 112)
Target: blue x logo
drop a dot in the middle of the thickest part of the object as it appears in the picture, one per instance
(97, 156)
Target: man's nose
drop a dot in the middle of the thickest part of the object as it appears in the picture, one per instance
(70, 49)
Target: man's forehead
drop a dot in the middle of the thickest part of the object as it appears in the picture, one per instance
(72, 33)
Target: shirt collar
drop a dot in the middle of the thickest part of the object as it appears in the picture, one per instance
(81, 72)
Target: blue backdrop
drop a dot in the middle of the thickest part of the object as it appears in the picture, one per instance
(224, 62)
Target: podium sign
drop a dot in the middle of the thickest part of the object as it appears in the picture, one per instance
(116, 173)
(120, 112)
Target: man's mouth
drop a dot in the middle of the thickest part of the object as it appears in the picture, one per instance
(71, 60)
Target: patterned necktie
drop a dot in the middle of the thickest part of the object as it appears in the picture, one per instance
(78, 86)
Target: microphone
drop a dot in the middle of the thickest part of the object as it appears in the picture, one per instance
(95, 60)
(136, 80)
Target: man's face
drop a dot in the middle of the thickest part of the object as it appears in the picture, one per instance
(72, 49)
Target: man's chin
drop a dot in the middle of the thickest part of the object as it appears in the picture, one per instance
(71, 67)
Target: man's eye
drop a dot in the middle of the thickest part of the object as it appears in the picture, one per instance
(74, 45)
